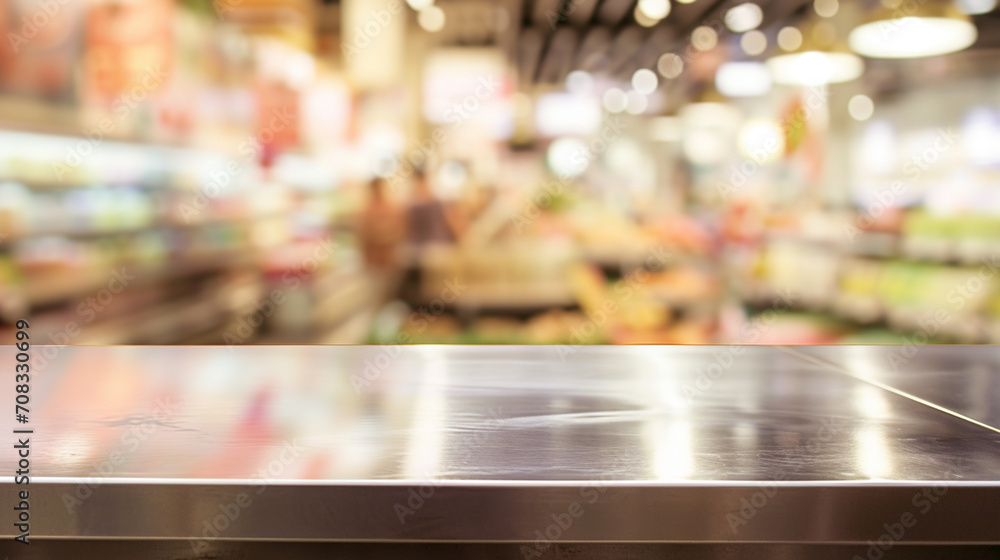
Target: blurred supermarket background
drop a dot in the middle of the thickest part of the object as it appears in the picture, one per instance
(508, 171)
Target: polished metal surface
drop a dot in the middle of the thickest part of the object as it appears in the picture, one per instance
(174, 550)
(962, 379)
(532, 445)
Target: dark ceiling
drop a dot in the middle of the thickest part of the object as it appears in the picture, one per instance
(554, 37)
(549, 38)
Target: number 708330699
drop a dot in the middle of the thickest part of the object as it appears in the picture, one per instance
(23, 446)
(21, 368)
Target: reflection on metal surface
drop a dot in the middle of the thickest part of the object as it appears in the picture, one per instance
(423, 454)
(673, 456)
(172, 550)
(510, 436)
(957, 380)
(873, 455)
(529, 413)
(870, 402)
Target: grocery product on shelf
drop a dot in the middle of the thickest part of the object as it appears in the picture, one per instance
(932, 266)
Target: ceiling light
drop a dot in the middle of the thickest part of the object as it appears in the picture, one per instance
(708, 129)
(814, 68)
(742, 79)
(642, 19)
(431, 19)
(670, 66)
(704, 38)
(452, 176)
(981, 136)
(635, 103)
(562, 114)
(789, 38)
(753, 42)
(626, 157)
(973, 7)
(566, 156)
(654, 9)
(913, 31)
(614, 100)
(419, 4)
(861, 107)
(644, 81)
(579, 81)
(744, 17)
(816, 62)
(826, 8)
(761, 140)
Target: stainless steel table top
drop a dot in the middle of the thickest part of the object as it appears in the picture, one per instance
(964, 379)
(501, 444)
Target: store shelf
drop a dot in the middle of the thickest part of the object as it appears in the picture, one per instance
(90, 233)
(498, 299)
(632, 256)
(698, 304)
(343, 295)
(354, 330)
(893, 246)
(166, 322)
(872, 313)
(56, 288)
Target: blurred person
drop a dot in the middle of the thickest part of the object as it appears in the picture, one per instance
(432, 221)
(381, 231)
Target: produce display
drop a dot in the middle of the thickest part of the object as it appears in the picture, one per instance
(934, 273)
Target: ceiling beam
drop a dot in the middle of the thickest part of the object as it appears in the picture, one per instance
(557, 57)
(579, 12)
(613, 12)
